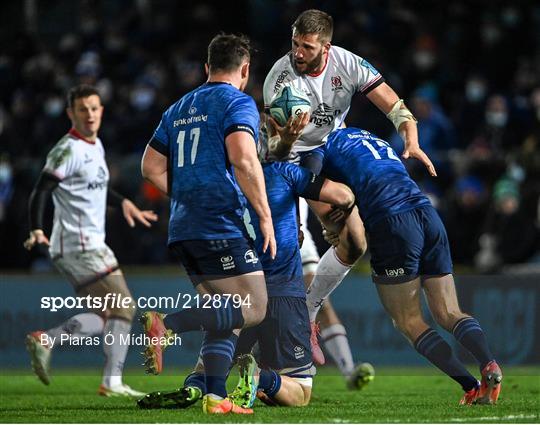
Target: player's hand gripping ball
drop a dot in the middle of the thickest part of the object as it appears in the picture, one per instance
(289, 101)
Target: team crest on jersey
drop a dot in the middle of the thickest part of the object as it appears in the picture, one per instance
(251, 257)
(101, 173)
(336, 83)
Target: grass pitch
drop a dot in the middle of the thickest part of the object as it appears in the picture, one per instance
(397, 395)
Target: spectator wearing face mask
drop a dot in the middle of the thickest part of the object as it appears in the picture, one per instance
(497, 130)
(464, 218)
(510, 236)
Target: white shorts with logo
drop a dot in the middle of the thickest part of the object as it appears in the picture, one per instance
(84, 268)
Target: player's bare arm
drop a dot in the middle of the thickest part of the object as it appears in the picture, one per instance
(154, 169)
(282, 138)
(386, 99)
(242, 154)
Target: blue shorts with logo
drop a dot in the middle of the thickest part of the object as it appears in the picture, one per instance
(216, 259)
(283, 338)
(407, 245)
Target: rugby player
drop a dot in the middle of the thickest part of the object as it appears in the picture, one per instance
(410, 253)
(190, 157)
(330, 76)
(77, 176)
(284, 373)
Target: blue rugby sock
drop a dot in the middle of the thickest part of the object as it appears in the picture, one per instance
(469, 333)
(269, 382)
(207, 319)
(433, 347)
(217, 354)
(196, 379)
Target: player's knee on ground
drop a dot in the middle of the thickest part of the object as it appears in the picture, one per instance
(113, 292)
(294, 392)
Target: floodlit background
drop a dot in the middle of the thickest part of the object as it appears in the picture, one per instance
(470, 72)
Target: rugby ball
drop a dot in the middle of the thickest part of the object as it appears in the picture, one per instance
(288, 101)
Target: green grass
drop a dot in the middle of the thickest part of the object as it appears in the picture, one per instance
(397, 395)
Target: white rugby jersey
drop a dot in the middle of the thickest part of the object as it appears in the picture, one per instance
(80, 200)
(330, 91)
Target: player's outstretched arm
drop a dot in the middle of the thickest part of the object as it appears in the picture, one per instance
(154, 169)
(242, 154)
(386, 99)
(36, 205)
(282, 138)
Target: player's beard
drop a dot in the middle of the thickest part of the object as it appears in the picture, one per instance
(310, 67)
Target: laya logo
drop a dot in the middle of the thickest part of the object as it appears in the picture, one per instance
(227, 262)
(251, 257)
(336, 83)
(394, 272)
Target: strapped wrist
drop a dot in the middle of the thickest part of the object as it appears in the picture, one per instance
(400, 114)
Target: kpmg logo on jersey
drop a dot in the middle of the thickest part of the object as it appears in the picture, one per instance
(336, 83)
(251, 257)
(324, 114)
(228, 262)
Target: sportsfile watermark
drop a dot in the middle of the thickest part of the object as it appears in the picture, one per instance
(119, 301)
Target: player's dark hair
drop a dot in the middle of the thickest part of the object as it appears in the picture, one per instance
(315, 21)
(82, 90)
(226, 52)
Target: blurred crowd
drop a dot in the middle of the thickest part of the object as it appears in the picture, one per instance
(470, 72)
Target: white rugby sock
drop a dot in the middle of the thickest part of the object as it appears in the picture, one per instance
(329, 274)
(115, 353)
(335, 341)
(84, 324)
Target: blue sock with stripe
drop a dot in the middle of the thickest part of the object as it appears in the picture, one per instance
(269, 382)
(469, 333)
(196, 379)
(434, 348)
(217, 354)
(208, 319)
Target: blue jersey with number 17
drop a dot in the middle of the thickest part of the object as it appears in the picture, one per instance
(206, 201)
(373, 171)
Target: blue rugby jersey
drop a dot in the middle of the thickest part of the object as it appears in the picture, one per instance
(285, 182)
(206, 202)
(374, 172)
